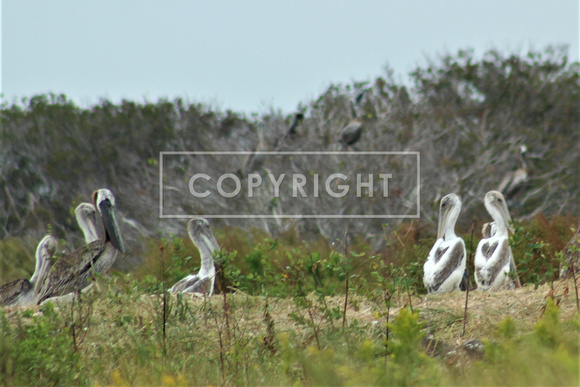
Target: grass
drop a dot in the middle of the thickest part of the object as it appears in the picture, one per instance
(123, 343)
(284, 319)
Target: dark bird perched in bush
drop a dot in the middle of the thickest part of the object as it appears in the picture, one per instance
(298, 118)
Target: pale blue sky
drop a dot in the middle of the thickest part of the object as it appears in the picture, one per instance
(251, 55)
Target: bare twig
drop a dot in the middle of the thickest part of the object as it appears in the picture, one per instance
(164, 299)
(346, 256)
(468, 285)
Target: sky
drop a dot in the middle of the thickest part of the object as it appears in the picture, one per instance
(252, 55)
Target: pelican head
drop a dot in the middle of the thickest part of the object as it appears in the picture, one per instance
(87, 220)
(200, 233)
(448, 212)
(496, 206)
(105, 205)
(44, 252)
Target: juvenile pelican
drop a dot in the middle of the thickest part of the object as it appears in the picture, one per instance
(493, 257)
(202, 282)
(444, 268)
(25, 292)
(75, 271)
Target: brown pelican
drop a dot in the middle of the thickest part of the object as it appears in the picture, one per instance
(572, 254)
(75, 271)
(493, 257)
(86, 216)
(445, 266)
(25, 292)
(512, 181)
(202, 282)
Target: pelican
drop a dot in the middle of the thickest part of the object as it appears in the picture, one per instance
(445, 266)
(27, 292)
(75, 271)
(202, 282)
(352, 132)
(86, 216)
(493, 257)
(512, 181)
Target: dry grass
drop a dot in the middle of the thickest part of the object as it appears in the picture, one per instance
(487, 309)
(444, 317)
(124, 342)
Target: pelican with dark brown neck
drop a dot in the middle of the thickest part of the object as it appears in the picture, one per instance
(75, 271)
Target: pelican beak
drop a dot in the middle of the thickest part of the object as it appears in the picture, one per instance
(506, 216)
(442, 223)
(444, 211)
(200, 232)
(111, 227)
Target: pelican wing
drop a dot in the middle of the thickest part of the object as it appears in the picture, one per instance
(488, 249)
(185, 283)
(499, 254)
(9, 292)
(74, 271)
(440, 252)
(454, 258)
(201, 286)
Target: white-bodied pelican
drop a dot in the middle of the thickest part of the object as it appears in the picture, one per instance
(493, 257)
(444, 268)
(202, 282)
(75, 271)
(28, 292)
